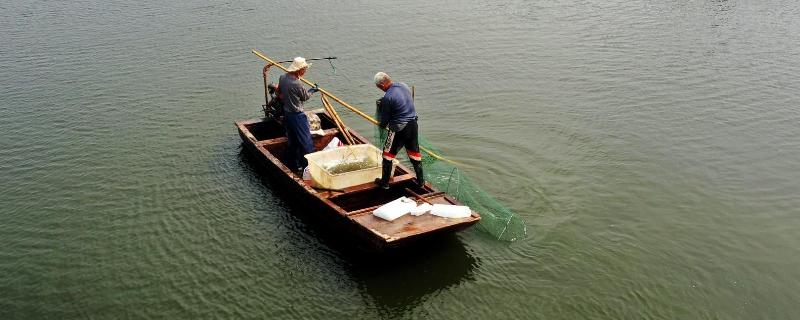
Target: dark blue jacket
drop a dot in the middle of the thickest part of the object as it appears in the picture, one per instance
(397, 106)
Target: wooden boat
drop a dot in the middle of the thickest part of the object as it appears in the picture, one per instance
(351, 208)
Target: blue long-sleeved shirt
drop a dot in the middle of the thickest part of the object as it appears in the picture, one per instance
(397, 107)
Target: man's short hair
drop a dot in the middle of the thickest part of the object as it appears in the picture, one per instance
(381, 77)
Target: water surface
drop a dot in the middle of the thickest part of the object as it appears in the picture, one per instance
(651, 148)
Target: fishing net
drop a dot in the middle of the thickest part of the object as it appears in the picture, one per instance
(496, 218)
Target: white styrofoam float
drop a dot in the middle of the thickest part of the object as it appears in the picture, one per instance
(450, 211)
(421, 209)
(402, 206)
(395, 209)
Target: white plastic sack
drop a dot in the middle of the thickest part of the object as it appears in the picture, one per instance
(421, 209)
(335, 143)
(395, 209)
(450, 211)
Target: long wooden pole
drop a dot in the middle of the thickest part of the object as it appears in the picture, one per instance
(337, 120)
(348, 106)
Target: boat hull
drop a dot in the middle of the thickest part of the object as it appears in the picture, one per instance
(347, 212)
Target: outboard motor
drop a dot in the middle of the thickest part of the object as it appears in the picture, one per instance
(273, 109)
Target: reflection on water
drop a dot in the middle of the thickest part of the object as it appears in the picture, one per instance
(399, 281)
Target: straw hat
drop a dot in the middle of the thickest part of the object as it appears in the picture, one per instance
(297, 64)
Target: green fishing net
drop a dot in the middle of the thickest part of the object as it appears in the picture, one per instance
(496, 218)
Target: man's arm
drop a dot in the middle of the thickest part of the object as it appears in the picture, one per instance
(301, 93)
(384, 112)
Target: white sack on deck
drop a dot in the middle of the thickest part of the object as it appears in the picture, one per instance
(450, 211)
(395, 209)
(421, 209)
(335, 143)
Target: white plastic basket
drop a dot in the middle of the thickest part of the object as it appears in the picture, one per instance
(318, 161)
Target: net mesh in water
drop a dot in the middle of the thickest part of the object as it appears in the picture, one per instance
(496, 219)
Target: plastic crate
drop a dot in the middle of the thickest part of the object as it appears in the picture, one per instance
(322, 178)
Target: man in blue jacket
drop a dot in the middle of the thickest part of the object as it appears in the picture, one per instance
(398, 116)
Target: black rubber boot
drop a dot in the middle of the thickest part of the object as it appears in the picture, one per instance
(383, 182)
(418, 170)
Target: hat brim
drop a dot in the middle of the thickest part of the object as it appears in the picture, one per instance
(293, 68)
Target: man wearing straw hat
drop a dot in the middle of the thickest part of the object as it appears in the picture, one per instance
(398, 115)
(295, 120)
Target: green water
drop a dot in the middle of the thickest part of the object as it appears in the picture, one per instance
(651, 147)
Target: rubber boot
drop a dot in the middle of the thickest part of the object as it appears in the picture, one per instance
(383, 182)
(418, 170)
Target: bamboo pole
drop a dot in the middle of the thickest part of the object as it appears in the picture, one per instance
(348, 106)
(346, 133)
(337, 120)
(336, 123)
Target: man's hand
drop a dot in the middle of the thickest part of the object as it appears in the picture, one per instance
(314, 89)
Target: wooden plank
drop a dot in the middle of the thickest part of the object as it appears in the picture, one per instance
(279, 140)
(243, 130)
(371, 185)
(370, 209)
